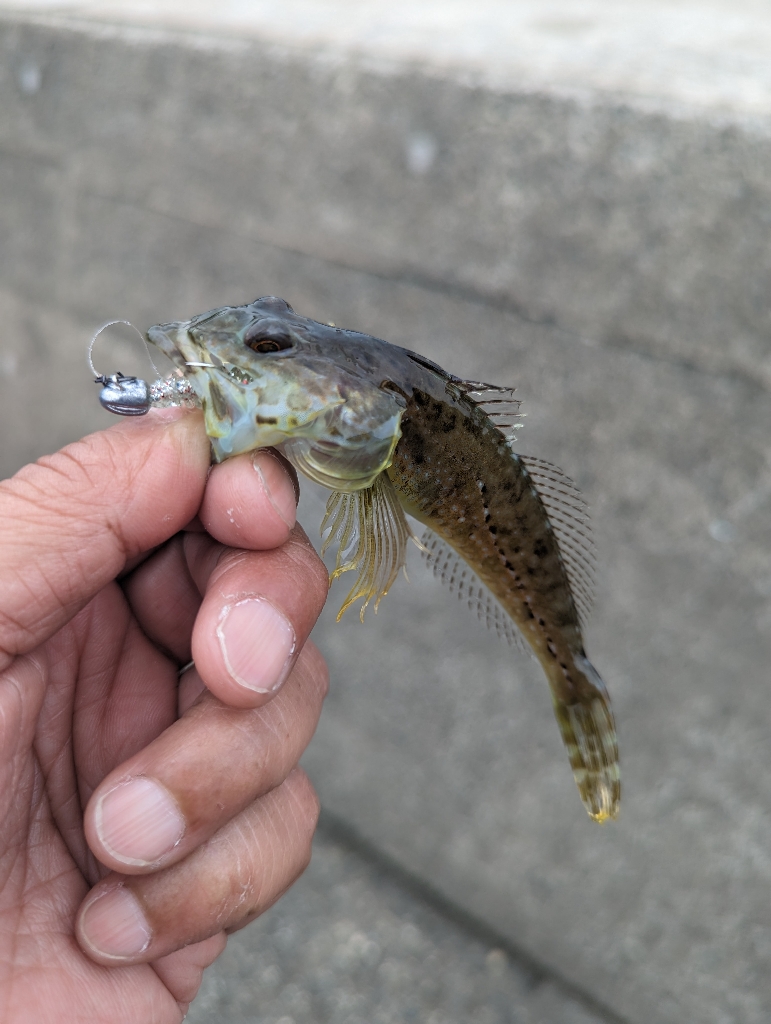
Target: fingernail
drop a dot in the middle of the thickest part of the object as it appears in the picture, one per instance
(257, 644)
(139, 821)
(279, 489)
(114, 925)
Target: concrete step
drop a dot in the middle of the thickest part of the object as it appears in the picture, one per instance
(350, 944)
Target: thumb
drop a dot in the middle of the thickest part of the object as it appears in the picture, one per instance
(69, 523)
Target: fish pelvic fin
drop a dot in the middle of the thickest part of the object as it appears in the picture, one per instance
(589, 734)
(371, 531)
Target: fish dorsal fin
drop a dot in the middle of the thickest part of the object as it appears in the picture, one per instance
(371, 531)
(497, 402)
(452, 570)
(569, 516)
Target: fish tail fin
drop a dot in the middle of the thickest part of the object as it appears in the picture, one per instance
(589, 734)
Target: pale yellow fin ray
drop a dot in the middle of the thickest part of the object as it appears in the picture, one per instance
(371, 531)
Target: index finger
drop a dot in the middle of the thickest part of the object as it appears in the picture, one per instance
(70, 522)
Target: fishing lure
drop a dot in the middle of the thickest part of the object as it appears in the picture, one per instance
(390, 432)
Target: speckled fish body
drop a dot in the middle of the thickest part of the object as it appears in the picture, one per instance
(391, 432)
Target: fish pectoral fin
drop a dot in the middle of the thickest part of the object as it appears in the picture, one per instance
(371, 531)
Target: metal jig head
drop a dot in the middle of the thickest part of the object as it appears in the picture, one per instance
(125, 396)
(132, 396)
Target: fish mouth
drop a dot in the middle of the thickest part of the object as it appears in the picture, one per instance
(165, 337)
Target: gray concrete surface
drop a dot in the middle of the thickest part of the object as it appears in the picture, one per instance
(348, 945)
(622, 286)
(629, 211)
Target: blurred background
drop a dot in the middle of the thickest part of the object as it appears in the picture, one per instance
(568, 197)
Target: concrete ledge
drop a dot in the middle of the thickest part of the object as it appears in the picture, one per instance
(604, 253)
(348, 944)
(636, 218)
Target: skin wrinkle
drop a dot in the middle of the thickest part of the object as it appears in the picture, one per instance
(230, 844)
(93, 1009)
(273, 730)
(246, 728)
(290, 814)
(22, 795)
(66, 810)
(292, 806)
(104, 667)
(295, 550)
(228, 561)
(81, 466)
(297, 870)
(178, 615)
(260, 843)
(296, 543)
(76, 583)
(272, 840)
(14, 627)
(112, 456)
(283, 725)
(24, 889)
(275, 709)
(9, 686)
(82, 519)
(58, 766)
(78, 520)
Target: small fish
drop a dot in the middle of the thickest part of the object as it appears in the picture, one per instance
(390, 432)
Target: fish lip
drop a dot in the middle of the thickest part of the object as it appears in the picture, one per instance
(163, 336)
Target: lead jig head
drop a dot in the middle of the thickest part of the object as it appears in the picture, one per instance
(131, 396)
(125, 396)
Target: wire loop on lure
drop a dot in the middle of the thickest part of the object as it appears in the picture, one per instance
(126, 396)
(111, 323)
(132, 396)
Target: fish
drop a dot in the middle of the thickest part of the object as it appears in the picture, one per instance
(393, 435)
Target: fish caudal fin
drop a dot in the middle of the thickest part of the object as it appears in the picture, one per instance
(589, 734)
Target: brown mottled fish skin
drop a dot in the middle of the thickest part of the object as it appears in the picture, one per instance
(455, 472)
(355, 413)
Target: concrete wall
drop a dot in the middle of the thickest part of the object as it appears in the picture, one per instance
(608, 259)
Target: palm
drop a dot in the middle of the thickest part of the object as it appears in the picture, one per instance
(72, 710)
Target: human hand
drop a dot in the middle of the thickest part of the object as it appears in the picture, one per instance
(116, 894)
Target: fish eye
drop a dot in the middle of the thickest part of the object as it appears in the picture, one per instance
(267, 336)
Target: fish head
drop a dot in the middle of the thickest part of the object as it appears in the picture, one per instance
(269, 378)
